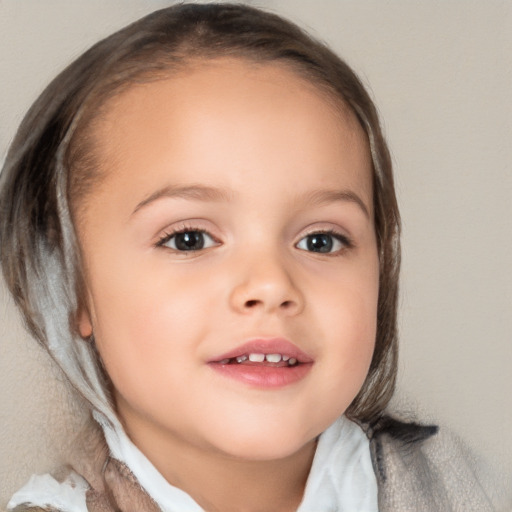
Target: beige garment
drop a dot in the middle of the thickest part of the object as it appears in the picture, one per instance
(417, 469)
(421, 468)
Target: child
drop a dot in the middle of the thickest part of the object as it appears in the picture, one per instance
(199, 223)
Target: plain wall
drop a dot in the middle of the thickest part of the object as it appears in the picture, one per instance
(441, 74)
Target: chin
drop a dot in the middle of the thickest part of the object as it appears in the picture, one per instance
(264, 442)
(265, 451)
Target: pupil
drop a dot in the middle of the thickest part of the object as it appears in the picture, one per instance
(320, 243)
(189, 241)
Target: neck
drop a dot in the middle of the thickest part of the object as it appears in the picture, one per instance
(219, 482)
(246, 486)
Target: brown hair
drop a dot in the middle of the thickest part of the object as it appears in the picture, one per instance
(51, 163)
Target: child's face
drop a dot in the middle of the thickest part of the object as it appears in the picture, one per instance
(269, 189)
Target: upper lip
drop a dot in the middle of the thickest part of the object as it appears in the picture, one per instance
(266, 346)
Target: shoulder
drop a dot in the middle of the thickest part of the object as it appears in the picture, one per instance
(49, 494)
(93, 481)
(67, 489)
(423, 467)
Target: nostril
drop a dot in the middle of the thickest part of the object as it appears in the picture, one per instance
(249, 304)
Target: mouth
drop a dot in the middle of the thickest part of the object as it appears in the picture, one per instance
(264, 363)
(260, 359)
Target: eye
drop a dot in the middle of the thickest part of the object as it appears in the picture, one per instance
(187, 240)
(323, 242)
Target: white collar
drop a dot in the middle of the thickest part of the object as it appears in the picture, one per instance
(342, 478)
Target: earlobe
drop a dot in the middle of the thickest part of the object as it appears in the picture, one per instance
(84, 323)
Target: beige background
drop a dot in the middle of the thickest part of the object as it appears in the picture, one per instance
(441, 74)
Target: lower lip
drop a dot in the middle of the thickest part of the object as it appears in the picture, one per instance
(264, 376)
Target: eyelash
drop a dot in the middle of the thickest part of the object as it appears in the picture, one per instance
(345, 241)
(168, 236)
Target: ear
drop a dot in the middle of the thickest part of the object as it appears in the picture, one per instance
(84, 324)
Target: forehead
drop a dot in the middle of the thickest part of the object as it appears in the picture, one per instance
(231, 109)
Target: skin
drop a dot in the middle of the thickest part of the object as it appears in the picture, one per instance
(268, 141)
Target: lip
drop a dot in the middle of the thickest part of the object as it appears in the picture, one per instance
(260, 375)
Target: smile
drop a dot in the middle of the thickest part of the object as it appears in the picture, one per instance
(264, 363)
(276, 360)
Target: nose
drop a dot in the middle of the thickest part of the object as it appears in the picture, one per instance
(264, 284)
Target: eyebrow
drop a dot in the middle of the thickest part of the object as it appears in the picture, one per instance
(215, 194)
(196, 192)
(320, 197)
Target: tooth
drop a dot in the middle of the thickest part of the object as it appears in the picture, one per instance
(224, 361)
(285, 358)
(241, 359)
(257, 358)
(273, 358)
(292, 361)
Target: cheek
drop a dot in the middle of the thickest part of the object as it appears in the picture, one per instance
(352, 331)
(347, 312)
(146, 321)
